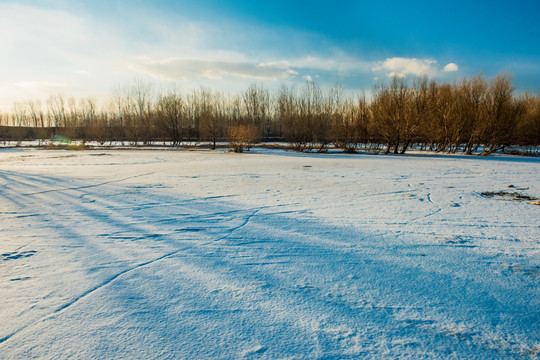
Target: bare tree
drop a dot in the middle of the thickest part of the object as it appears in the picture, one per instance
(57, 111)
(118, 106)
(350, 123)
(502, 114)
(471, 111)
(287, 114)
(209, 115)
(326, 108)
(236, 115)
(141, 94)
(391, 114)
(171, 117)
(87, 121)
(442, 132)
(256, 100)
(299, 113)
(36, 113)
(527, 132)
(20, 115)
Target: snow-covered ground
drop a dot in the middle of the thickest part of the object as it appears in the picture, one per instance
(271, 254)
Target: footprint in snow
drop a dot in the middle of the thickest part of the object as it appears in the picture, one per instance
(254, 351)
(305, 287)
(453, 240)
(17, 255)
(521, 270)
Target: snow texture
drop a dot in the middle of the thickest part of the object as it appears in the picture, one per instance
(267, 255)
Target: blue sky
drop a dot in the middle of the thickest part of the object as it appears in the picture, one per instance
(87, 48)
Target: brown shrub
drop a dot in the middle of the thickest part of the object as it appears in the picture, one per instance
(241, 137)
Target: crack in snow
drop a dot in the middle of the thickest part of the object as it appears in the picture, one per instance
(89, 186)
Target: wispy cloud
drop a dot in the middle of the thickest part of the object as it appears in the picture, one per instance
(40, 85)
(192, 68)
(219, 64)
(340, 63)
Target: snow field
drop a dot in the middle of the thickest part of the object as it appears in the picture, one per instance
(165, 254)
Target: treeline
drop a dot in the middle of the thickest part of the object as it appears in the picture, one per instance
(471, 116)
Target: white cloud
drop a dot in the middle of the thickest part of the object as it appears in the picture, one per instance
(192, 68)
(451, 67)
(307, 77)
(396, 74)
(398, 66)
(340, 63)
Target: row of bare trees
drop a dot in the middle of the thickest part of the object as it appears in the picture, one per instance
(473, 115)
(465, 116)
